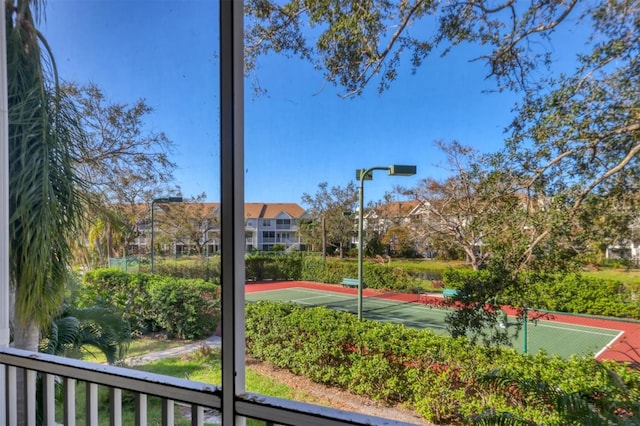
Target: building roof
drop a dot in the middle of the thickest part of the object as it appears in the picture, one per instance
(272, 210)
(251, 210)
(396, 208)
(290, 209)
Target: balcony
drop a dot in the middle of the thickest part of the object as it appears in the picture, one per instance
(200, 397)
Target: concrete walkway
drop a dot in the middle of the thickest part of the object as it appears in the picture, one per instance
(212, 342)
(211, 417)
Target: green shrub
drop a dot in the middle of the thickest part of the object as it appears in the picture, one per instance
(273, 266)
(571, 293)
(444, 379)
(187, 309)
(587, 295)
(375, 276)
(205, 268)
(126, 292)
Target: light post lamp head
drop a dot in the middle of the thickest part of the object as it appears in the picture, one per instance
(399, 170)
(168, 200)
(392, 170)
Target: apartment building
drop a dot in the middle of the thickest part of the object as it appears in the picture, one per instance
(270, 224)
(266, 225)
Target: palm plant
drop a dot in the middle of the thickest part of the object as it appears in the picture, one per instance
(44, 203)
(76, 329)
(619, 404)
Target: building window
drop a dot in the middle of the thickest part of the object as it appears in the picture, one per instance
(283, 223)
(268, 236)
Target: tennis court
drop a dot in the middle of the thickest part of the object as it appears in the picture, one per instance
(552, 336)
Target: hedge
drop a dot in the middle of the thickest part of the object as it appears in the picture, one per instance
(375, 276)
(186, 308)
(207, 268)
(573, 293)
(442, 378)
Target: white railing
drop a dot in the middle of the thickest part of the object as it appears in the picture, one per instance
(199, 396)
(69, 372)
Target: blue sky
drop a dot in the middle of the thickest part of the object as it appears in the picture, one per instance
(298, 135)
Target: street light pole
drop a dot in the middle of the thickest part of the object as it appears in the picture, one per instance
(525, 338)
(159, 200)
(324, 241)
(362, 175)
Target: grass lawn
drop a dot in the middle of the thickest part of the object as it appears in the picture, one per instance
(201, 366)
(139, 346)
(429, 265)
(630, 276)
(205, 367)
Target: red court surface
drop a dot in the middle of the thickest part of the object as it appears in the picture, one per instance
(625, 348)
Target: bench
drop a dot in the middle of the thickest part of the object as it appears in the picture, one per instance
(350, 282)
(449, 292)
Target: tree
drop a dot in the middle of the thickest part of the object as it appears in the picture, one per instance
(497, 220)
(123, 166)
(388, 223)
(44, 204)
(192, 223)
(108, 233)
(582, 138)
(355, 43)
(119, 160)
(470, 208)
(335, 205)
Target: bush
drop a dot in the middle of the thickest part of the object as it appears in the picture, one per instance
(444, 379)
(571, 293)
(187, 309)
(585, 295)
(375, 276)
(126, 292)
(205, 268)
(273, 266)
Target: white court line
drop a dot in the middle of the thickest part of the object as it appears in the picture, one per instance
(421, 309)
(315, 294)
(608, 345)
(540, 323)
(579, 330)
(302, 300)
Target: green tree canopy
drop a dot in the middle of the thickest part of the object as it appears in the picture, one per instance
(123, 165)
(333, 207)
(355, 43)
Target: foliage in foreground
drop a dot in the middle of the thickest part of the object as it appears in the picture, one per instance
(75, 329)
(186, 308)
(573, 293)
(445, 379)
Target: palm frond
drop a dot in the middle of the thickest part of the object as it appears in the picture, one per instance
(44, 202)
(99, 326)
(571, 407)
(62, 335)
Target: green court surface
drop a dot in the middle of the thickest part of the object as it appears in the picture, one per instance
(551, 336)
